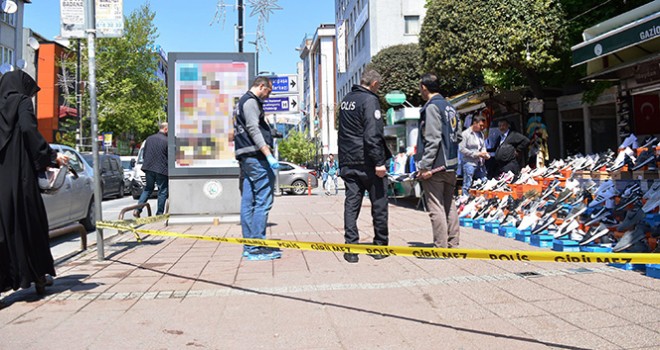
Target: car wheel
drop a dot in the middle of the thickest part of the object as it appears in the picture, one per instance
(299, 187)
(121, 191)
(89, 222)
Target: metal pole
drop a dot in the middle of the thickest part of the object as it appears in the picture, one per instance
(91, 36)
(78, 97)
(240, 26)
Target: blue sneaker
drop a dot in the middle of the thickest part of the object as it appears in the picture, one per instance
(263, 254)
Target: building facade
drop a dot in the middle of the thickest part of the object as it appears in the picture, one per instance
(11, 37)
(365, 27)
(319, 88)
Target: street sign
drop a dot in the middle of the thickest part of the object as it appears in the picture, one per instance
(281, 104)
(285, 84)
(109, 18)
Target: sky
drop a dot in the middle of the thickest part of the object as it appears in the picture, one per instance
(184, 26)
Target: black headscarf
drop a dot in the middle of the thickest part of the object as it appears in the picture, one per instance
(14, 87)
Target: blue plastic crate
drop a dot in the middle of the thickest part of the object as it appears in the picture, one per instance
(523, 237)
(467, 222)
(595, 249)
(478, 224)
(508, 231)
(543, 241)
(653, 270)
(492, 227)
(560, 247)
(629, 266)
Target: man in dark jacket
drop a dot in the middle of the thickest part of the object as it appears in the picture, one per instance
(437, 156)
(511, 146)
(155, 169)
(362, 158)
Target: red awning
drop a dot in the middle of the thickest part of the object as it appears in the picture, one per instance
(66, 111)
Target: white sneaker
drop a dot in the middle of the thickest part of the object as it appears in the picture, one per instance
(528, 221)
(603, 196)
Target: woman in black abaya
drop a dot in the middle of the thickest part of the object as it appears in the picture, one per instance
(24, 248)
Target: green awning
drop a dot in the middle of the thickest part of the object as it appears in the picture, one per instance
(632, 34)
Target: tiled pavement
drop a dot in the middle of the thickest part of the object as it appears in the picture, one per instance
(176, 293)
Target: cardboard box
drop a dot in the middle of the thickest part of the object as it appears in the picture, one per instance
(645, 175)
(621, 175)
(600, 175)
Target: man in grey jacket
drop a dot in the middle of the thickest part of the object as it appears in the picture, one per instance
(437, 155)
(473, 150)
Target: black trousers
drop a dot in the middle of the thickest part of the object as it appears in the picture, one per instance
(358, 179)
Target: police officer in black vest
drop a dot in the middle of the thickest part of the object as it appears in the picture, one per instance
(362, 158)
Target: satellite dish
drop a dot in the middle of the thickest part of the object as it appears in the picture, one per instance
(9, 6)
(21, 64)
(6, 68)
(33, 43)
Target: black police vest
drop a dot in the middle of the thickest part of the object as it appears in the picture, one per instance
(244, 146)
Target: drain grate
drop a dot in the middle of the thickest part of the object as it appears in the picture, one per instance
(528, 274)
(580, 270)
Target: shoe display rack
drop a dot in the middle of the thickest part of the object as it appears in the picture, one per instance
(569, 213)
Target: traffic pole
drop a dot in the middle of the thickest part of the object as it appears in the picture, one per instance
(309, 185)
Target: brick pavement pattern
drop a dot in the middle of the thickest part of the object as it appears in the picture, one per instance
(168, 293)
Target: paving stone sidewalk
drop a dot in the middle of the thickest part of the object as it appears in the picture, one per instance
(167, 293)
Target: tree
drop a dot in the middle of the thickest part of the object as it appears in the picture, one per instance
(131, 98)
(296, 148)
(460, 39)
(400, 67)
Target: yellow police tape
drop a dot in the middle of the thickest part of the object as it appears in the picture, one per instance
(418, 252)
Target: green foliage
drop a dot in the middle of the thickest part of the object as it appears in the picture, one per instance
(400, 67)
(593, 90)
(459, 39)
(131, 99)
(296, 148)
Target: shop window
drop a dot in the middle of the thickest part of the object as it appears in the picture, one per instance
(411, 25)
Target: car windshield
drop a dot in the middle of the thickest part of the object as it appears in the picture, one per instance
(126, 164)
(89, 159)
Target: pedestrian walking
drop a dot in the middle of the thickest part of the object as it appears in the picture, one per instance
(473, 150)
(437, 157)
(254, 150)
(155, 169)
(331, 170)
(363, 155)
(25, 256)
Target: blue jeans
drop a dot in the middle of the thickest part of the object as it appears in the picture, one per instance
(472, 171)
(257, 198)
(162, 182)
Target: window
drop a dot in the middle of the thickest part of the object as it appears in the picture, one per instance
(7, 55)
(412, 25)
(9, 18)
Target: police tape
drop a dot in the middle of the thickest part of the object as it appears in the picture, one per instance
(417, 252)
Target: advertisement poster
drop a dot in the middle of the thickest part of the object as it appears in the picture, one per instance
(205, 95)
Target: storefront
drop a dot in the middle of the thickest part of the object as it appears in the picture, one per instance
(624, 50)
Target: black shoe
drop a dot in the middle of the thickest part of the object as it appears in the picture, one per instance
(351, 258)
(378, 256)
(647, 157)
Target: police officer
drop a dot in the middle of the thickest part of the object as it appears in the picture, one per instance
(362, 158)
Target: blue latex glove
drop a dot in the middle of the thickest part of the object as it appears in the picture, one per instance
(274, 164)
